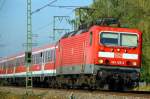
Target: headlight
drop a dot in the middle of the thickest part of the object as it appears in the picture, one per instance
(118, 50)
(100, 61)
(134, 63)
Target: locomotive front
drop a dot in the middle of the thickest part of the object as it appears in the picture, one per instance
(118, 56)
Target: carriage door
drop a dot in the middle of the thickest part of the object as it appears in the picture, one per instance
(42, 57)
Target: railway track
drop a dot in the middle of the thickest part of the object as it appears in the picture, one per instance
(47, 93)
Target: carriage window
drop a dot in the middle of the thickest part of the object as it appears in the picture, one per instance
(17, 62)
(43, 55)
(23, 60)
(1, 64)
(4, 65)
(53, 55)
(108, 38)
(33, 59)
(129, 40)
(38, 58)
(50, 55)
(46, 56)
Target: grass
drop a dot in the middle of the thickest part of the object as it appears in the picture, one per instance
(7, 95)
(143, 88)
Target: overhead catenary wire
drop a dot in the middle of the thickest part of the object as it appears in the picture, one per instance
(56, 6)
(49, 5)
(64, 6)
(48, 24)
(37, 10)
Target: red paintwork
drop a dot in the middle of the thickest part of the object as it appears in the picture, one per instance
(76, 50)
(35, 67)
(1, 71)
(20, 69)
(10, 71)
(49, 66)
(4, 71)
(73, 49)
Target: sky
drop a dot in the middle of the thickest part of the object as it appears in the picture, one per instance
(13, 22)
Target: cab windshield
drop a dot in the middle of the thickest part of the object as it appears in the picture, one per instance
(118, 39)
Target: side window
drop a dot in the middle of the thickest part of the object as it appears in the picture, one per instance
(4, 66)
(91, 36)
(54, 55)
(33, 59)
(8, 64)
(1, 65)
(38, 58)
(14, 62)
(48, 55)
(22, 61)
(17, 62)
(44, 54)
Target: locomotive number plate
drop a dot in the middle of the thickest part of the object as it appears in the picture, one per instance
(118, 55)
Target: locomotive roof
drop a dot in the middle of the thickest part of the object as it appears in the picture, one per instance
(103, 23)
(94, 27)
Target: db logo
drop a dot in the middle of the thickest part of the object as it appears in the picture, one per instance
(118, 55)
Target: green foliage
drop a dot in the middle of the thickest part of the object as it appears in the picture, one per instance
(145, 71)
(132, 13)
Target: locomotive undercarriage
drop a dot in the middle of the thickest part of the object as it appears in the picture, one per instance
(111, 82)
(101, 78)
(113, 78)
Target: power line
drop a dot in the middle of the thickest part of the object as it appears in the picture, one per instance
(64, 6)
(37, 10)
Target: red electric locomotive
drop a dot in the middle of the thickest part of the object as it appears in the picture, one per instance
(101, 55)
(94, 57)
